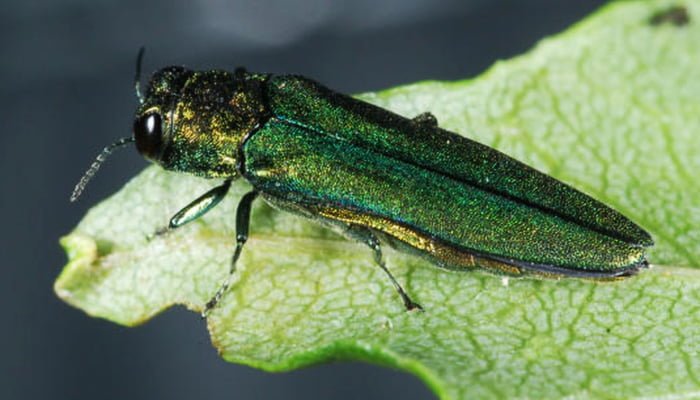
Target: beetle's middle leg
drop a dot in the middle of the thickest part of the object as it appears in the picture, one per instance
(242, 227)
(367, 237)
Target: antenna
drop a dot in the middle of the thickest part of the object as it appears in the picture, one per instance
(137, 77)
(96, 165)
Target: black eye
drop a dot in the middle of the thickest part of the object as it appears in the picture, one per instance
(149, 135)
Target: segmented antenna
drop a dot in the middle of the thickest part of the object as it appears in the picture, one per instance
(96, 166)
(137, 77)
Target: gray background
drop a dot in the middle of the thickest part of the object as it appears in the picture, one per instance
(66, 91)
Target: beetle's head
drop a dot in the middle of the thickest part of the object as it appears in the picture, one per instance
(191, 121)
(154, 120)
(195, 121)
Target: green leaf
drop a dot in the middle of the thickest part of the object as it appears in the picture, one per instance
(612, 106)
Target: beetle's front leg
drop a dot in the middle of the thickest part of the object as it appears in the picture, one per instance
(196, 209)
(242, 226)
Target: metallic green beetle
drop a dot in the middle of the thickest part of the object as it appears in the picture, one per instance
(375, 175)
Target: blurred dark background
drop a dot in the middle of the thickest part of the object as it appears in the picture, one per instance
(66, 91)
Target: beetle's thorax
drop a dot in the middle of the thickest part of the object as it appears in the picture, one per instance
(202, 117)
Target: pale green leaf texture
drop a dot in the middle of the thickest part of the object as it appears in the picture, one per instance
(611, 106)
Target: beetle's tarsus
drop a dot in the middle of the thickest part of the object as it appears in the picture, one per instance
(158, 233)
(214, 300)
(411, 305)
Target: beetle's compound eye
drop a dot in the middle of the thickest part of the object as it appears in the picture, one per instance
(148, 131)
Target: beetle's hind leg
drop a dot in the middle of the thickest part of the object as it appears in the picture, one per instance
(200, 206)
(242, 226)
(426, 119)
(369, 238)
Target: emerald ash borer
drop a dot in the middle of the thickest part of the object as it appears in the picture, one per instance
(378, 177)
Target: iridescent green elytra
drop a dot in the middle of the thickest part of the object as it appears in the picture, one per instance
(376, 176)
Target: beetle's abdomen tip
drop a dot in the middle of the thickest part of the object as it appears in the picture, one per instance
(645, 239)
(640, 238)
(642, 264)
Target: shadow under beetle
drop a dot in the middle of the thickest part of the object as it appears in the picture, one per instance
(374, 175)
